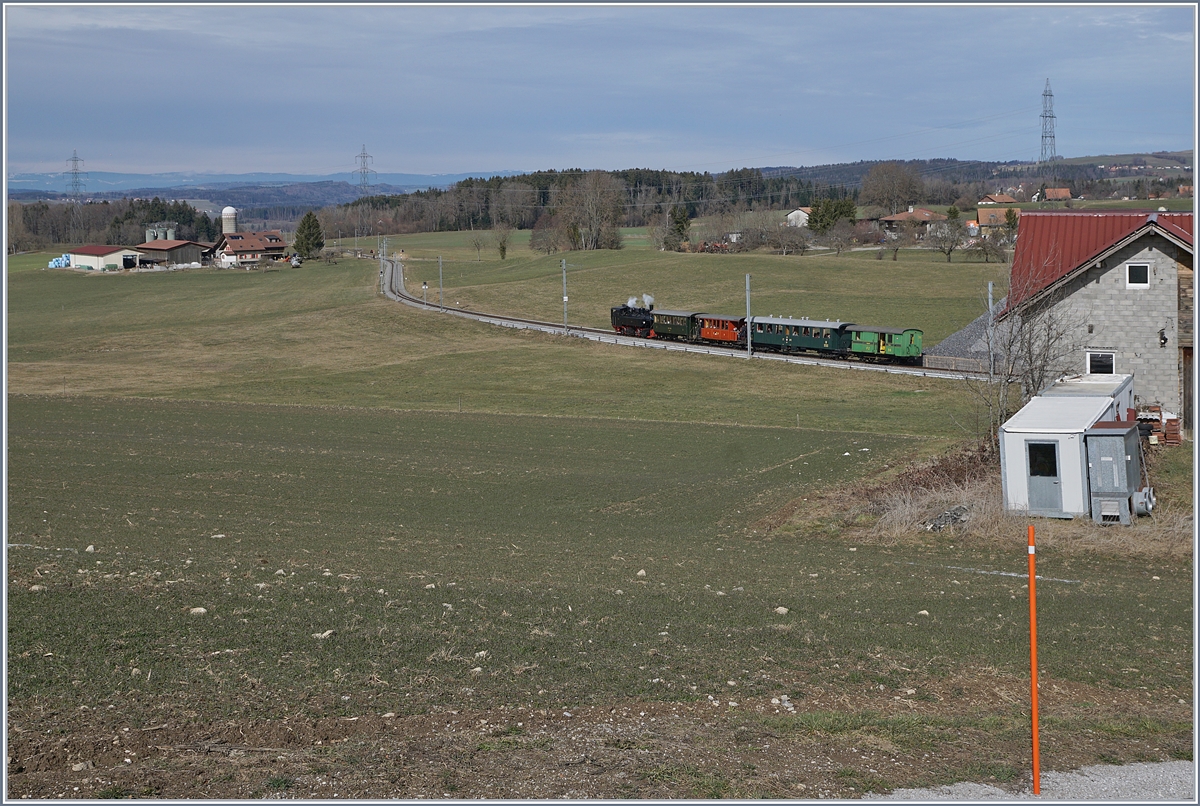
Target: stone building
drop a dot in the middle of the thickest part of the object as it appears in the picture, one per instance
(1122, 282)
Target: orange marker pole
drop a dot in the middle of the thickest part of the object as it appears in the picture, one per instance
(1033, 666)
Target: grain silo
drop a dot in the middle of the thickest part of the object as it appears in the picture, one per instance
(228, 220)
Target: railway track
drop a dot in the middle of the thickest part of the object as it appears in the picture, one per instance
(392, 283)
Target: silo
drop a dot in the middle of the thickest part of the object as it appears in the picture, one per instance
(170, 233)
(151, 235)
(228, 220)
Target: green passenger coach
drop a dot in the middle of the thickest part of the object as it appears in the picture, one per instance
(886, 342)
(787, 335)
(679, 325)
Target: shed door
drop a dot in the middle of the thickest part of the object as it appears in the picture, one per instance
(1045, 486)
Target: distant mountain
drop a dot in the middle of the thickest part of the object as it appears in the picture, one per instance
(104, 183)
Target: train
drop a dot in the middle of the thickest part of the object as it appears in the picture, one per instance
(774, 333)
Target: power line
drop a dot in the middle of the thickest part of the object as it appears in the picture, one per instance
(364, 172)
(75, 185)
(1048, 154)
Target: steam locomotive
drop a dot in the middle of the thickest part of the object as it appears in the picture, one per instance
(779, 334)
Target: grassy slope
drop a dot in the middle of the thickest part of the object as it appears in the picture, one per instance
(319, 334)
(571, 467)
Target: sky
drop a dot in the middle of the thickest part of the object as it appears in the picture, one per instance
(430, 89)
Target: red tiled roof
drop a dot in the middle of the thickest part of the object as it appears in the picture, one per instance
(998, 198)
(920, 214)
(1058, 194)
(1052, 245)
(97, 251)
(253, 241)
(996, 217)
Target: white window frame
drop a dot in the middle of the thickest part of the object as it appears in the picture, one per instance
(1088, 359)
(1129, 283)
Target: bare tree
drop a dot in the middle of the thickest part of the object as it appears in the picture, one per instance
(1027, 348)
(891, 186)
(478, 241)
(592, 209)
(945, 237)
(988, 247)
(840, 236)
(501, 235)
(905, 238)
(787, 238)
(545, 237)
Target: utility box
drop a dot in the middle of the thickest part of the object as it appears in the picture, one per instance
(1115, 472)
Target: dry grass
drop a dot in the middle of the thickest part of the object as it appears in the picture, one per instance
(899, 511)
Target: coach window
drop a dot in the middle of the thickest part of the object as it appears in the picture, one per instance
(1101, 363)
(1137, 275)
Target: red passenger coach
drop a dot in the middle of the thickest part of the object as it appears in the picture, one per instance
(721, 328)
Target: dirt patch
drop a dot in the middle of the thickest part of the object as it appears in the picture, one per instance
(829, 744)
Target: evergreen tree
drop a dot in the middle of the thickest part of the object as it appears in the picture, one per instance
(827, 212)
(309, 240)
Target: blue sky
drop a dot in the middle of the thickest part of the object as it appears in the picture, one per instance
(455, 88)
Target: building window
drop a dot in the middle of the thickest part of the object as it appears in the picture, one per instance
(1101, 363)
(1137, 275)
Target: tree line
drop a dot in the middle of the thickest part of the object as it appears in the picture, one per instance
(122, 222)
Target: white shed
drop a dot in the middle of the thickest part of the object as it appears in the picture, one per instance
(1043, 456)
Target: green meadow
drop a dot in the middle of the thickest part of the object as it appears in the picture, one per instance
(384, 509)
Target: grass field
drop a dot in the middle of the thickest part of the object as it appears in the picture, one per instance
(919, 290)
(384, 510)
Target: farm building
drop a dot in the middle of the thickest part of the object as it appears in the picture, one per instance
(799, 217)
(997, 198)
(1121, 285)
(105, 257)
(1057, 194)
(241, 248)
(170, 253)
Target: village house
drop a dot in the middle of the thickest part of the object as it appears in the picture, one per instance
(799, 217)
(997, 198)
(1121, 283)
(923, 217)
(994, 219)
(242, 248)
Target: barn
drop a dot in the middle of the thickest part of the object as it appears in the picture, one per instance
(102, 256)
(173, 252)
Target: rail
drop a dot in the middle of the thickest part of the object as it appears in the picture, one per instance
(392, 281)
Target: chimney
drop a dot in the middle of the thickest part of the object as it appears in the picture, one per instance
(910, 208)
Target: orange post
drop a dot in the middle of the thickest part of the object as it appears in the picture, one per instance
(1033, 665)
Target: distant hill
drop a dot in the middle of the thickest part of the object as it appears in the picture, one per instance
(298, 192)
(103, 184)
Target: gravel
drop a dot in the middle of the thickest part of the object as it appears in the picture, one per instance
(1135, 783)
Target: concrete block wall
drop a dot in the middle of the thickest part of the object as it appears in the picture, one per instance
(1127, 321)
